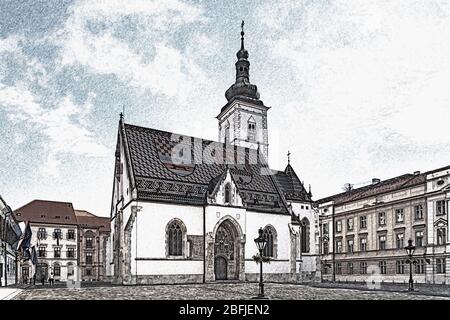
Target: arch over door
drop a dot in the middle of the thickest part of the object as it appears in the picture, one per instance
(220, 268)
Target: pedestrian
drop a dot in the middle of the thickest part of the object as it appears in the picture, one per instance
(34, 279)
(43, 279)
(50, 279)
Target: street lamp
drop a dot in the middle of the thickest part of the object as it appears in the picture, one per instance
(261, 244)
(410, 251)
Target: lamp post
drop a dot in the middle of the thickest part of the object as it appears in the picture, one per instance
(260, 244)
(410, 251)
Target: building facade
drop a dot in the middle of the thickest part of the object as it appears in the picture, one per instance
(364, 231)
(59, 239)
(9, 236)
(94, 233)
(187, 210)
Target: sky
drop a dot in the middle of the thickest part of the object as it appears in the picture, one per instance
(357, 89)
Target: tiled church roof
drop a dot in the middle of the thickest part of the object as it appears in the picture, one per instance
(291, 186)
(157, 178)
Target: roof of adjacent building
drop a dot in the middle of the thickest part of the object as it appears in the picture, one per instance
(88, 220)
(389, 185)
(44, 211)
(158, 178)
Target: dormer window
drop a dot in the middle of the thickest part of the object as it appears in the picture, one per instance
(227, 193)
(251, 133)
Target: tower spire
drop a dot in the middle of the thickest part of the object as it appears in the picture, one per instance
(242, 35)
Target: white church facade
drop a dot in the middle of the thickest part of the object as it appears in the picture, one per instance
(187, 210)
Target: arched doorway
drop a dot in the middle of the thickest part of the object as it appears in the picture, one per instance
(227, 247)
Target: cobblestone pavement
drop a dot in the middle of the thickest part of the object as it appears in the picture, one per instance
(225, 291)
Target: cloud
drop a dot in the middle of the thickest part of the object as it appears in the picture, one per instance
(169, 71)
(64, 135)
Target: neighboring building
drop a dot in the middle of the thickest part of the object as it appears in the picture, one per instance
(9, 236)
(54, 235)
(94, 240)
(187, 210)
(365, 230)
(59, 237)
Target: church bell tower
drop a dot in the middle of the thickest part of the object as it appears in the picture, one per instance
(243, 119)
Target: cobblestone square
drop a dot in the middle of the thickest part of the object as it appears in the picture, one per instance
(214, 291)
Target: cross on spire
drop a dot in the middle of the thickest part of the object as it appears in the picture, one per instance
(289, 157)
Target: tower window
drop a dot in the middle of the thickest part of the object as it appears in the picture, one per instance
(227, 193)
(227, 134)
(251, 133)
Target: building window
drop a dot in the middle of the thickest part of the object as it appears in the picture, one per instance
(325, 228)
(350, 224)
(363, 222)
(57, 234)
(339, 246)
(381, 219)
(400, 266)
(88, 257)
(88, 272)
(441, 236)
(71, 234)
(57, 270)
(440, 265)
(363, 267)
(441, 208)
(338, 226)
(70, 252)
(305, 235)
(350, 268)
(41, 252)
(57, 252)
(42, 234)
(70, 269)
(338, 268)
(363, 244)
(350, 246)
(419, 238)
(175, 238)
(382, 242)
(418, 212)
(251, 130)
(228, 193)
(89, 242)
(399, 240)
(269, 234)
(399, 215)
(382, 265)
(325, 248)
(420, 266)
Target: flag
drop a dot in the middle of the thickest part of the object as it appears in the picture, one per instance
(33, 255)
(13, 233)
(26, 241)
(26, 255)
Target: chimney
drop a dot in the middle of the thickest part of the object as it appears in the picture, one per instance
(375, 180)
(416, 173)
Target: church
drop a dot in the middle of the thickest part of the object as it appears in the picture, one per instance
(187, 210)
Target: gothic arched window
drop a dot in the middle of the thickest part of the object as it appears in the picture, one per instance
(305, 235)
(176, 232)
(270, 235)
(251, 129)
(228, 193)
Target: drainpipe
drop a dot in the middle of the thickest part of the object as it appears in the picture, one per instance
(334, 245)
(204, 236)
